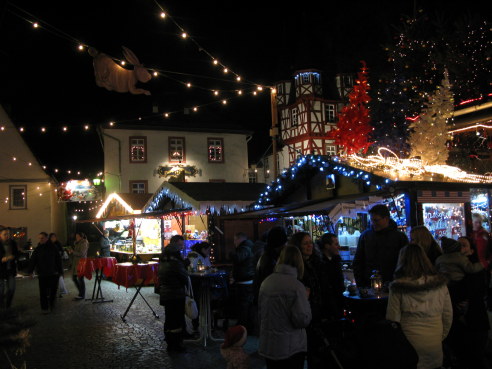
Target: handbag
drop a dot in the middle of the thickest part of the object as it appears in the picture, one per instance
(191, 310)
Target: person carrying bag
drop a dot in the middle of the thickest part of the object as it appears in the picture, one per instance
(191, 309)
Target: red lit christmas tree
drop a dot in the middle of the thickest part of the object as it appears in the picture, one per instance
(353, 128)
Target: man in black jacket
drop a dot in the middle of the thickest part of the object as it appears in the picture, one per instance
(378, 247)
(243, 272)
(8, 267)
(48, 265)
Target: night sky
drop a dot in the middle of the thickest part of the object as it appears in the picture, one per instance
(46, 81)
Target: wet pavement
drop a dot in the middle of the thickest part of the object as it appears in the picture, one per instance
(82, 334)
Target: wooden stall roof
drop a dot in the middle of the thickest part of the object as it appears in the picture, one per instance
(155, 215)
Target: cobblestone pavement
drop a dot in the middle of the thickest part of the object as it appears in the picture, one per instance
(81, 334)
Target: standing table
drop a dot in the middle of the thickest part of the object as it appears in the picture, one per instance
(101, 266)
(206, 280)
(136, 275)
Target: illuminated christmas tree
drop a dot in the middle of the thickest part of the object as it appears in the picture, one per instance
(353, 128)
(423, 47)
(429, 135)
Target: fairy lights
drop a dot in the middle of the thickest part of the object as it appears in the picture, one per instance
(387, 163)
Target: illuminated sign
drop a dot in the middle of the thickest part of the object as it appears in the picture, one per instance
(78, 190)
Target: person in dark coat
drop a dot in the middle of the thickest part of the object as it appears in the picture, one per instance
(332, 277)
(469, 335)
(313, 281)
(275, 241)
(172, 280)
(378, 247)
(9, 254)
(48, 265)
(105, 245)
(243, 272)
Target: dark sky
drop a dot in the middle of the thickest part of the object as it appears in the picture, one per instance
(45, 81)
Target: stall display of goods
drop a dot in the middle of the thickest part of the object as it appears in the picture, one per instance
(444, 220)
(480, 204)
(147, 235)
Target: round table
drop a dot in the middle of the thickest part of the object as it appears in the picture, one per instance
(360, 308)
(102, 266)
(206, 282)
(136, 275)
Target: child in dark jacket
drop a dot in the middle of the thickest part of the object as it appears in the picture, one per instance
(455, 266)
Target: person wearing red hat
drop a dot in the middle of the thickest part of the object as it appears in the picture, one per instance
(232, 348)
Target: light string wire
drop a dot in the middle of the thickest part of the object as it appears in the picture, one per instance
(155, 71)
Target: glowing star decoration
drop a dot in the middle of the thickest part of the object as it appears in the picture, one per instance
(390, 165)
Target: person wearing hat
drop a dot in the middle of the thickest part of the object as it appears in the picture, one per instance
(453, 263)
(232, 348)
(172, 279)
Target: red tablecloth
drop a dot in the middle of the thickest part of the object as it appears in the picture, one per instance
(87, 266)
(129, 275)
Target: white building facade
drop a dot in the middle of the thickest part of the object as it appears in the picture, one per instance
(28, 194)
(138, 159)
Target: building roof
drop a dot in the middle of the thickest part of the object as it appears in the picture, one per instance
(226, 191)
(136, 200)
(205, 196)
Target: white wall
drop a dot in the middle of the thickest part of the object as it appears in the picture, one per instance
(43, 213)
(233, 169)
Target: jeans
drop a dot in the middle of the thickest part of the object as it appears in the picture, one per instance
(244, 300)
(47, 291)
(7, 290)
(80, 284)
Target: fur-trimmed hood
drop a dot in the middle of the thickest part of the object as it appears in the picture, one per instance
(422, 284)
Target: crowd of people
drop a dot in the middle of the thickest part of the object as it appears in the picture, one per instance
(45, 263)
(288, 291)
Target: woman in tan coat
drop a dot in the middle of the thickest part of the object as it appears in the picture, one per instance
(419, 300)
(79, 251)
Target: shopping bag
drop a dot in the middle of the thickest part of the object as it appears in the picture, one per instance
(191, 309)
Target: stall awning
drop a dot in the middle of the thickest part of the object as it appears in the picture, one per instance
(332, 207)
(154, 215)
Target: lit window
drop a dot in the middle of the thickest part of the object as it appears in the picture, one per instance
(176, 149)
(18, 197)
(330, 113)
(215, 150)
(138, 149)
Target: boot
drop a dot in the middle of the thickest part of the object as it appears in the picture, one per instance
(175, 341)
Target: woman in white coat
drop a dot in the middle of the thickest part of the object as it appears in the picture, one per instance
(284, 312)
(419, 300)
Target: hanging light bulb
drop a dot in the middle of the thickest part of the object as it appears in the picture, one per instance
(35, 25)
(184, 35)
(163, 15)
